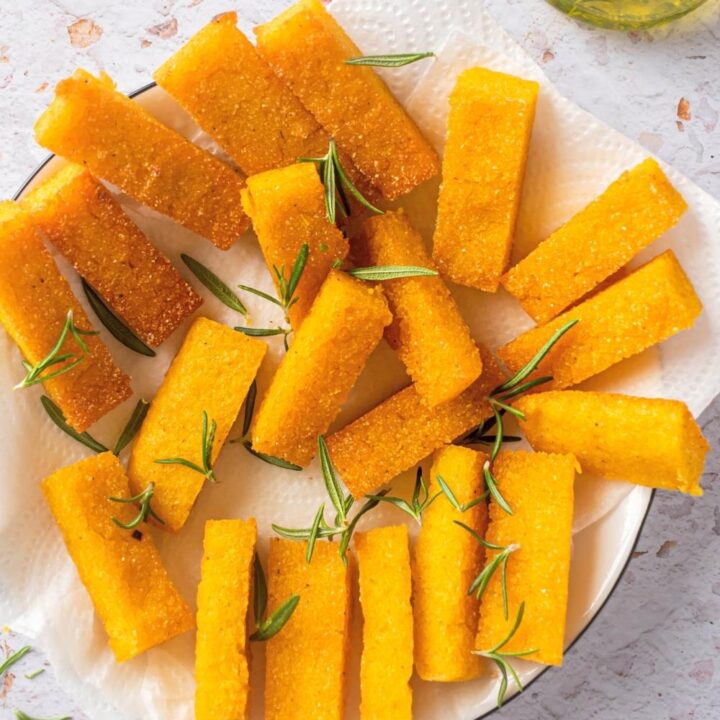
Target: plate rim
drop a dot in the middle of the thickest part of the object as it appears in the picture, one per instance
(631, 549)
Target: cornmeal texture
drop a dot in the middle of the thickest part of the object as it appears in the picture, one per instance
(539, 489)
(235, 96)
(401, 431)
(34, 302)
(648, 306)
(427, 332)
(635, 210)
(488, 134)
(86, 224)
(287, 209)
(307, 48)
(92, 124)
(221, 652)
(387, 655)
(306, 662)
(212, 372)
(446, 561)
(316, 375)
(650, 442)
(122, 571)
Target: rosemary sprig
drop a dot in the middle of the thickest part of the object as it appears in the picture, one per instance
(460, 507)
(206, 447)
(14, 658)
(20, 715)
(56, 415)
(34, 674)
(288, 298)
(249, 407)
(391, 61)
(343, 526)
(144, 498)
(132, 426)
(271, 626)
(34, 373)
(390, 272)
(336, 182)
(421, 498)
(214, 284)
(115, 326)
(500, 560)
(501, 659)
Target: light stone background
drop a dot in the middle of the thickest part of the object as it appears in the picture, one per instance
(654, 651)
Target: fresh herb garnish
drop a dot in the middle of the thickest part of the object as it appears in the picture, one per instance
(390, 272)
(20, 715)
(116, 327)
(206, 447)
(56, 415)
(14, 658)
(271, 626)
(287, 287)
(421, 499)
(34, 674)
(249, 407)
(336, 182)
(501, 658)
(460, 507)
(343, 526)
(144, 499)
(389, 60)
(132, 426)
(214, 284)
(34, 372)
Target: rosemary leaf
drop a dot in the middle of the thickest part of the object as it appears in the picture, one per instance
(261, 332)
(296, 274)
(261, 294)
(116, 327)
(328, 178)
(493, 488)
(390, 272)
(314, 530)
(132, 426)
(275, 623)
(20, 715)
(214, 284)
(304, 533)
(207, 439)
(14, 658)
(332, 484)
(144, 498)
(56, 415)
(270, 459)
(34, 674)
(259, 590)
(345, 181)
(390, 61)
(249, 407)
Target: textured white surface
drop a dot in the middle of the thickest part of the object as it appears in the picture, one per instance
(658, 625)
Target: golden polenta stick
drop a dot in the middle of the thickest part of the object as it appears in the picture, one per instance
(633, 211)
(121, 569)
(221, 662)
(91, 123)
(219, 77)
(447, 559)
(648, 306)
(539, 489)
(211, 373)
(427, 332)
(306, 661)
(397, 434)
(489, 126)
(387, 655)
(651, 442)
(330, 349)
(307, 48)
(287, 209)
(34, 303)
(86, 224)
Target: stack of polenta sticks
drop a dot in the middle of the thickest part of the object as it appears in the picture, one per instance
(488, 575)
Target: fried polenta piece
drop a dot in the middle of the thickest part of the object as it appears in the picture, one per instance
(653, 303)
(401, 431)
(330, 349)
(34, 303)
(633, 211)
(307, 48)
(387, 655)
(211, 373)
(306, 662)
(287, 209)
(91, 123)
(447, 559)
(539, 489)
(427, 332)
(219, 77)
(651, 442)
(488, 135)
(221, 652)
(121, 569)
(87, 225)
